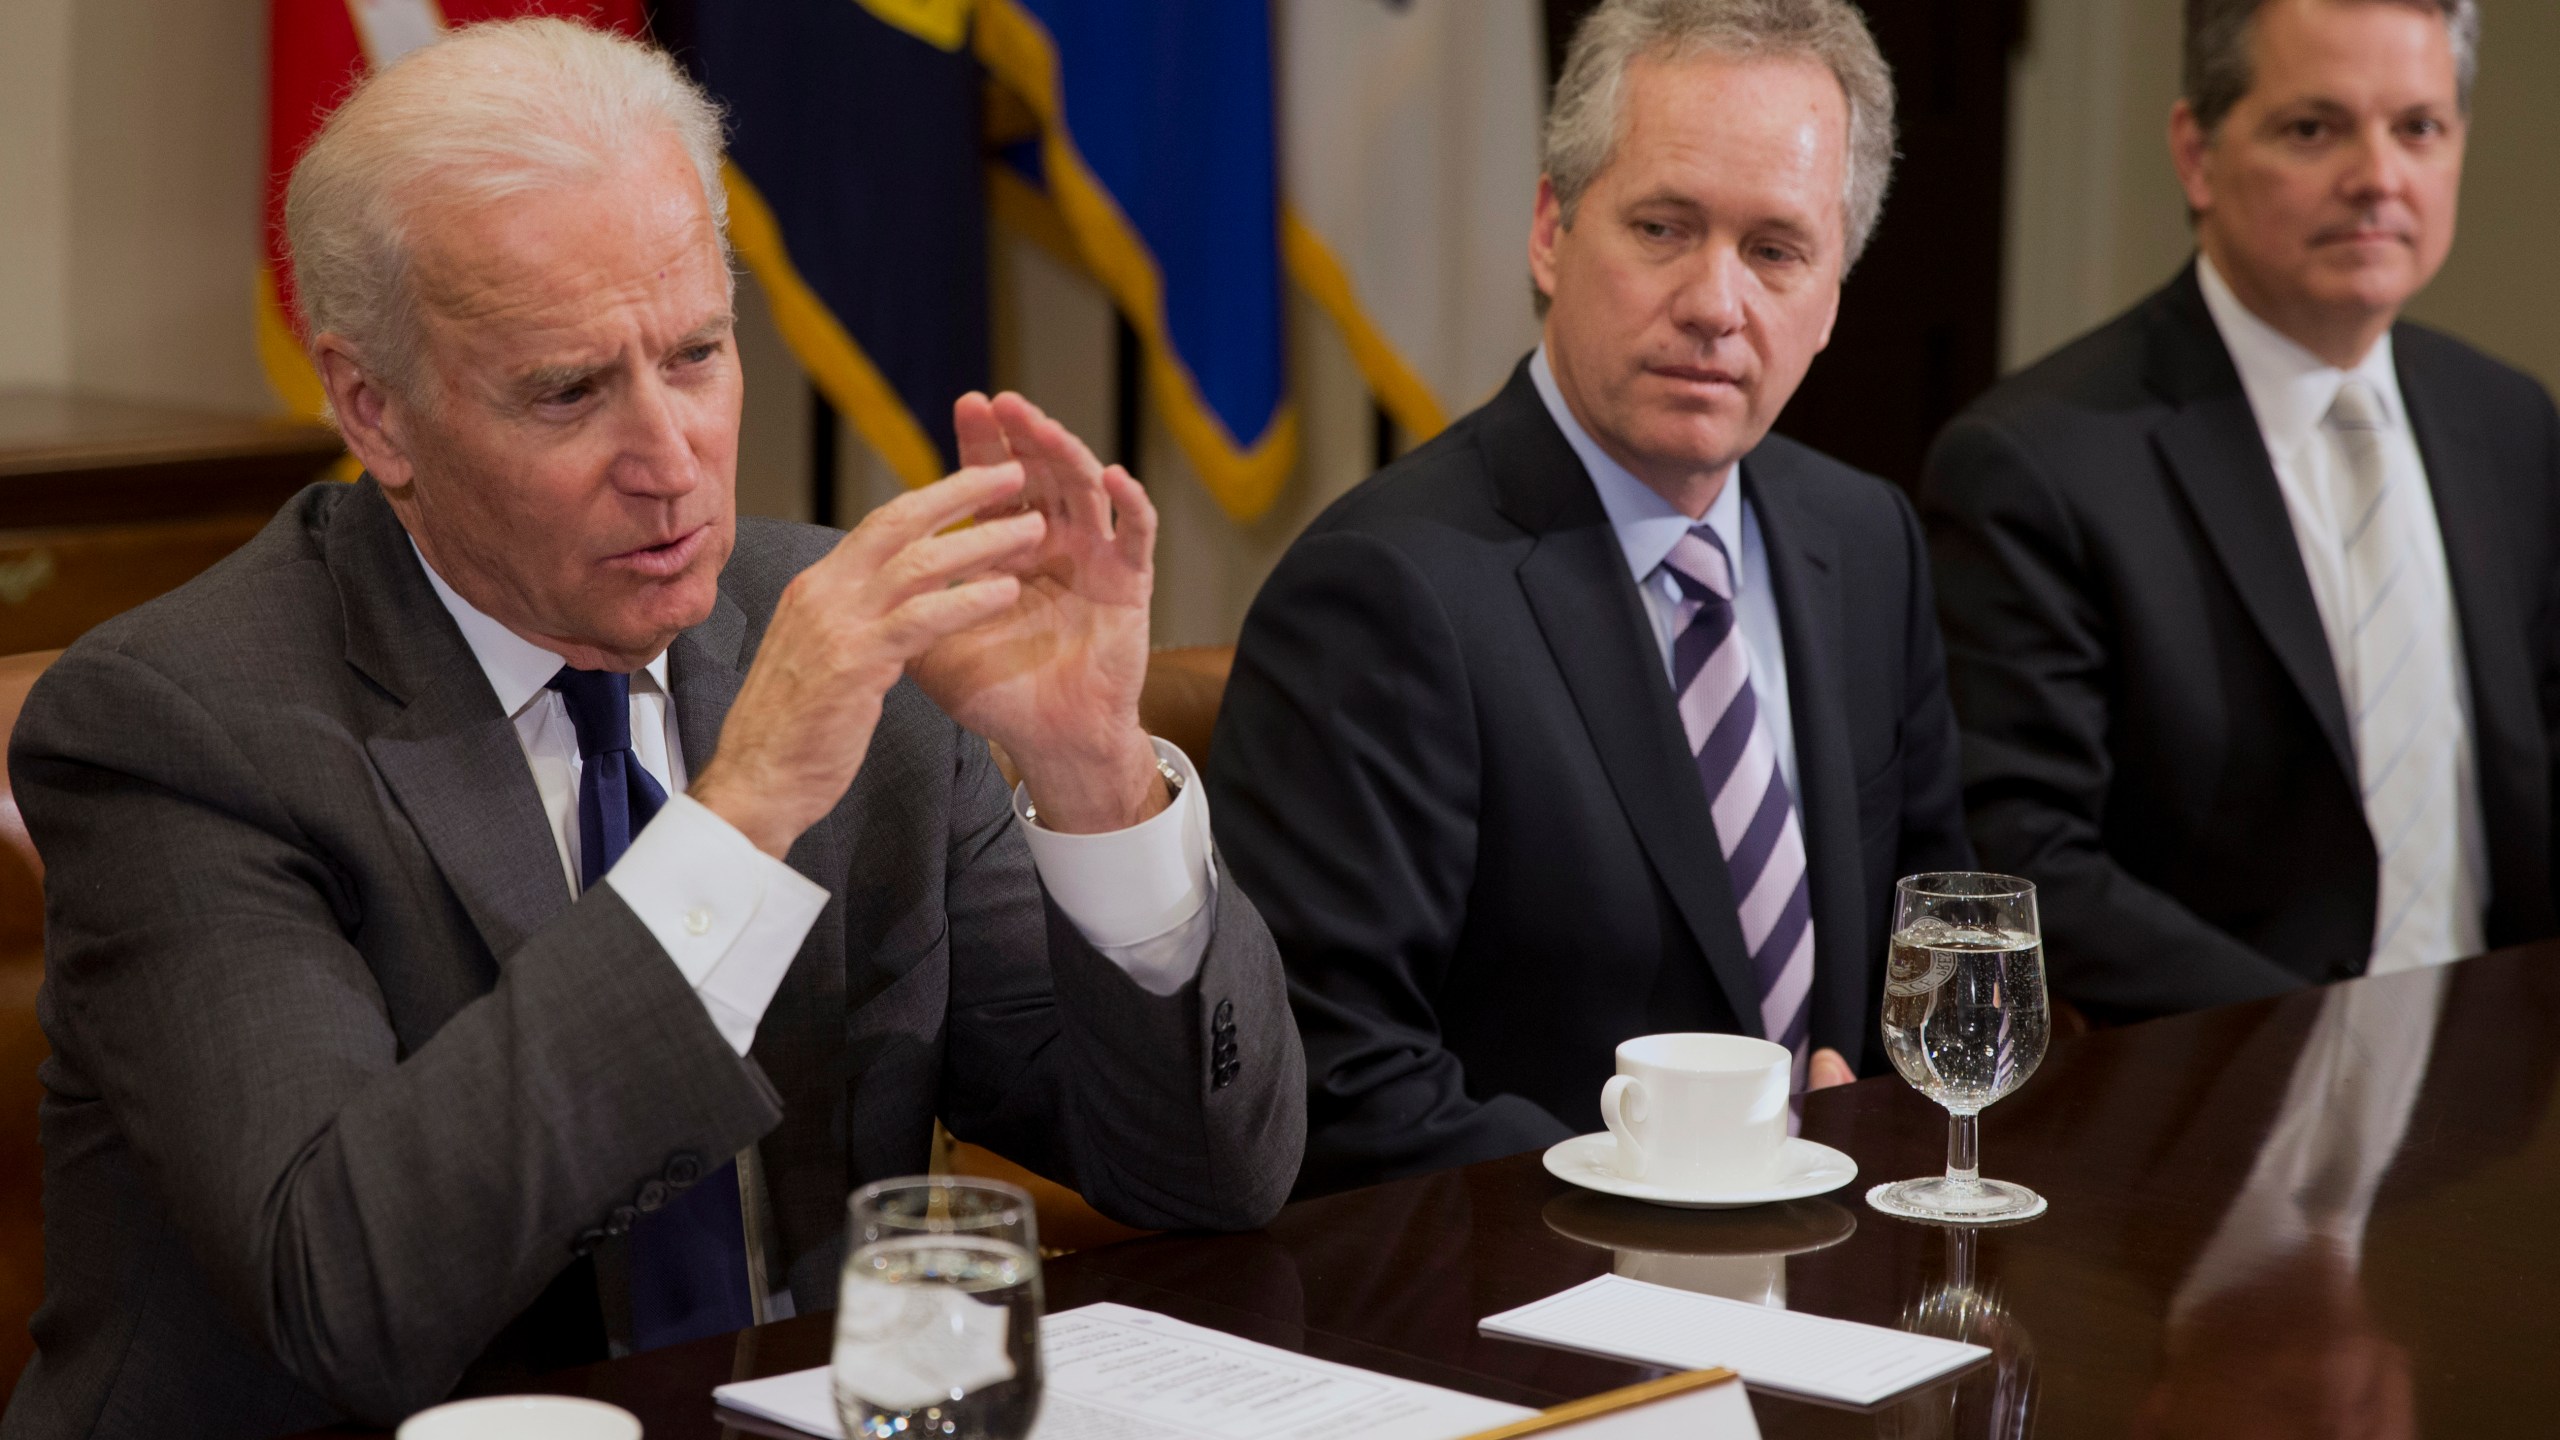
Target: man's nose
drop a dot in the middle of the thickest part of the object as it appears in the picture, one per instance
(655, 456)
(2377, 167)
(1709, 300)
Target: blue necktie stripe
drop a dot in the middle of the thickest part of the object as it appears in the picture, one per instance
(1770, 960)
(1722, 752)
(688, 1260)
(1759, 841)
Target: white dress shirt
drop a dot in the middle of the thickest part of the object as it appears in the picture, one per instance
(1648, 526)
(732, 917)
(2291, 392)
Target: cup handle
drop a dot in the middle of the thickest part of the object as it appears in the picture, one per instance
(1621, 1095)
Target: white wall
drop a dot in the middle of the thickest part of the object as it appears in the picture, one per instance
(2095, 221)
(35, 198)
(168, 148)
(132, 137)
(2501, 289)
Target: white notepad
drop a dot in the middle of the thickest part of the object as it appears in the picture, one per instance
(1118, 1373)
(1775, 1349)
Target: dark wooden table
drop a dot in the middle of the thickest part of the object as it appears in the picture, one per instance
(2442, 1322)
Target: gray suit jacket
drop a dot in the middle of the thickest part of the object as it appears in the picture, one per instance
(344, 1080)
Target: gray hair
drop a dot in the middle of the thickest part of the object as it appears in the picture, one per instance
(1584, 121)
(2219, 32)
(491, 111)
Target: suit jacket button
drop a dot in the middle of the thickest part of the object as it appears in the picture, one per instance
(683, 1168)
(623, 1218)
(652, 1197)
(1225, 1015)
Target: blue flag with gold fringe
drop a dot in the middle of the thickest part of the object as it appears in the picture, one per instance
(857, 196)
(1157, 147)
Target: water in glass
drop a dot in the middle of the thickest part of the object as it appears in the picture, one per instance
(1964, 1010)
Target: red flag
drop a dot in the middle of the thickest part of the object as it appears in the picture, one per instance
(317, 51)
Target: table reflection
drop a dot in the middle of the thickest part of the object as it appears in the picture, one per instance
(1992, 1401)
(1737, 1254)
(2271, 1333)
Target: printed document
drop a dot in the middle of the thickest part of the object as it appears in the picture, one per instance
(1118, 1373)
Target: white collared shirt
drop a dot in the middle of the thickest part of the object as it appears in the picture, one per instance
(732, 917)
(1647, 526)
(2290, 392)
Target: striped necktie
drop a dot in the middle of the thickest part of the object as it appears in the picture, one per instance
(2404, 721)
(688, 1273)
(1755, 812)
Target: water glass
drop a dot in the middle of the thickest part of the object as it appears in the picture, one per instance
(938, 1324)
(1965, 1021)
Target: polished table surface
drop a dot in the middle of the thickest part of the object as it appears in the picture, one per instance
(2215, 1262)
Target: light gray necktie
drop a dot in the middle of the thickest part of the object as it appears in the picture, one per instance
(2404, 723)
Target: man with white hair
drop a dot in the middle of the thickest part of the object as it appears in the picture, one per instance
(1607, 712)
(390, 1050)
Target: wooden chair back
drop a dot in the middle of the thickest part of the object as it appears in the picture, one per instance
(22, 1044)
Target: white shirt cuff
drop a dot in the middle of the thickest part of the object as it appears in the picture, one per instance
(730, 916)
(1145, 897)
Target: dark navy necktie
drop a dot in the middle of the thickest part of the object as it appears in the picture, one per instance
(688, 1259)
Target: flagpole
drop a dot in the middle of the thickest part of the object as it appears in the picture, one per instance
(824, 433)
(1129, 395)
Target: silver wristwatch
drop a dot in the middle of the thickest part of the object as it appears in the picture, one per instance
(1164, 767)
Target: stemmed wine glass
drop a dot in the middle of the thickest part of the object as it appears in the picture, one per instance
(938, 1323)
(1965, 1021)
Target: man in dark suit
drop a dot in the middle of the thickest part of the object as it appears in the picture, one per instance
(443, 890)
(2250, 595)
(1605, 713)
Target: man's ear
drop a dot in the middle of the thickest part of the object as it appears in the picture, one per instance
(2189, 143)
(370, 418)
(1829, 320)
(1546, 228)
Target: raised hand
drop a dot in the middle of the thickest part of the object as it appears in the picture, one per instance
(845, 630)
(1054, 676)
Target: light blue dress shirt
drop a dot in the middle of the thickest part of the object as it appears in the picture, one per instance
(1647, 528)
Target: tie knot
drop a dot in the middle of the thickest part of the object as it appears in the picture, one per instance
(1699, 562)
(599, 704)
(2357, 406)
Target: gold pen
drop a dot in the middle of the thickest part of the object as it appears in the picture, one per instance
(1607, 1401)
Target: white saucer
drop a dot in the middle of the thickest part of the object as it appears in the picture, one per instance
(1804, 1168)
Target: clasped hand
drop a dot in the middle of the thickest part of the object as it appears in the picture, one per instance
(1028, 627)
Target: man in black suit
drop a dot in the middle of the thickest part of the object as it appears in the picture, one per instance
(2249, 595)
(1605, 713)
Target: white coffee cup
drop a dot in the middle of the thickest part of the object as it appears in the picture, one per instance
(1699, 1112)
(522, 1417)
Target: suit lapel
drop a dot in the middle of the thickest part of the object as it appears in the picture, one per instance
(2505, 713)
(2213, 446)
(1587, 609)
(1804, 577)
(702, 670)
(450, 756)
